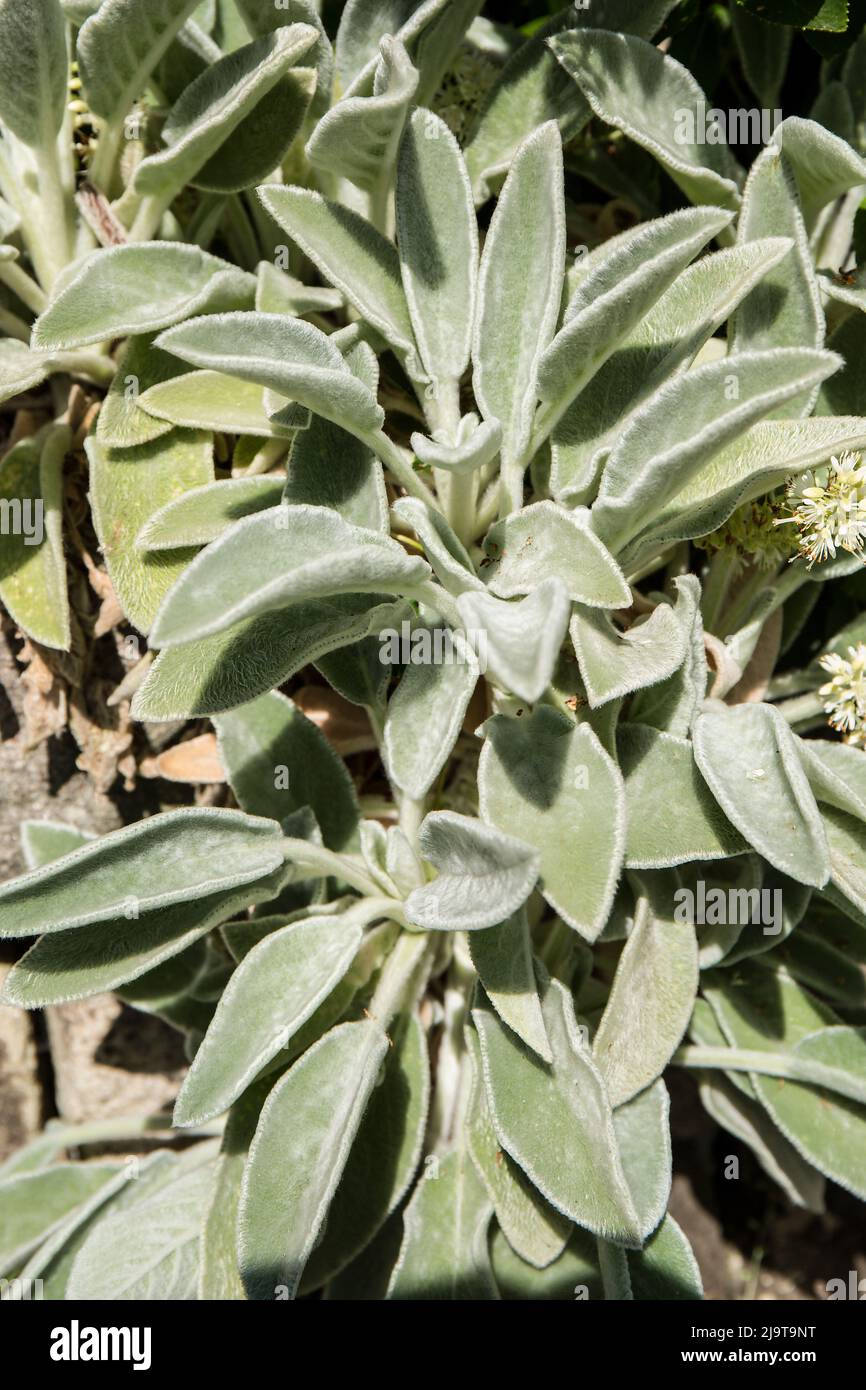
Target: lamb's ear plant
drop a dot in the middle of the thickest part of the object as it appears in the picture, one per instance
(545, 514)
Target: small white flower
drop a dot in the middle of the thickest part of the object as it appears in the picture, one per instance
(845, 693)
(832, 516)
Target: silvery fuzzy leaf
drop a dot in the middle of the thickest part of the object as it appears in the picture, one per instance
(785, 309)
(483, 874)
(212, 400)
(431, 32)
(299, 1153)
(218, 1271)
(44, 840)
(252, 657)
(33, 70)
(358, 138)
(203, 513)
(119, 46)
(234, 124)
(545, 541)
(329, 467)
(270, 742)
(537, 1232)
(643, 1134)
(122, 421)
(212, 851)
(749, 1122)
(280, 293)
(275, 989)
(138, 289)
(445, 552)
(361, 24)
(763, 51)
(33, 584)
(614, 663)
(444, 1253)
(351, 254)
(666, 1268)
(357, 671)
(95, 959)
(575, 1270)
(749, 758)
(845, 836)
(522, 637)
(437, 237)
(532, 87)
(516, 313)
(20, 368)
(263, 17)
(556, 1120)
(640, 90)
(673, 704)
(285, 354)
(502, 955)
(671, 333)
(819, 966)
(824, 165)
(652, 996)
(550, 782)
(690, 419)
(768, 454)
(283, 556)
(478, 443)
(151, 1250)
(615, 291)
(426, 712)
(836, 773)
(126, 487)
(384, 1156)
(671, 814)
(34, 1204)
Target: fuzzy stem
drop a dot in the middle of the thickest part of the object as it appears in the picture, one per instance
(803, 707)
(401, 976)
(23, 286)
(398, 466)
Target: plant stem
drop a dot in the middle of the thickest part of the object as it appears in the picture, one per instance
(14, 327)
(398, 466)
(314, 861)
(437, 598)
(402, 976)
(22, 285)
(802, 707)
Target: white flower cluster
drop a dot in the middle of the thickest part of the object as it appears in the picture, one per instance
(845, 693)
(830, 516)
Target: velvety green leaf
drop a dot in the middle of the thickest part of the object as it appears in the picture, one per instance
(236, 666)
(361, 24)
(483, 874)
(785, 309)
(32, 1204)
(575, 1273)
(263, 17)
(749, 758)
(556, 1121)
(42, 841)
(643, 1134)
(274, 990)
(234, 124)
(551, 783)
(119, 46)
(667, 338)
(384, 1156)
(287, 555)
(846, 839)
(502, 955)
(150, 1251)
(673, 704)
(763, 50)
(478, 443)
(546, 541)
(33, 587)
(535, 1230)
(278, 761)
(426, 712)
(671, 815)
(642, 91)
(445, 551)
(357, 139)
(101, 957)
(666, 1268)
(291, 357)
(751, 1124)
(824, 165)
(330, 468)
(203, 513)
(123, 422)
(126, 487)
(618, 284)
(20, 368)
(438, 241)
(521, 638)
(210, 850)
(138, 289)
(33, 70)
(444, 1253)
(212, 400)
(219, 1279)
(350, 253)
(651, 999)
(279, 293)
(689, 420)
(615, 663)
(516, 312)
(299, 1153)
